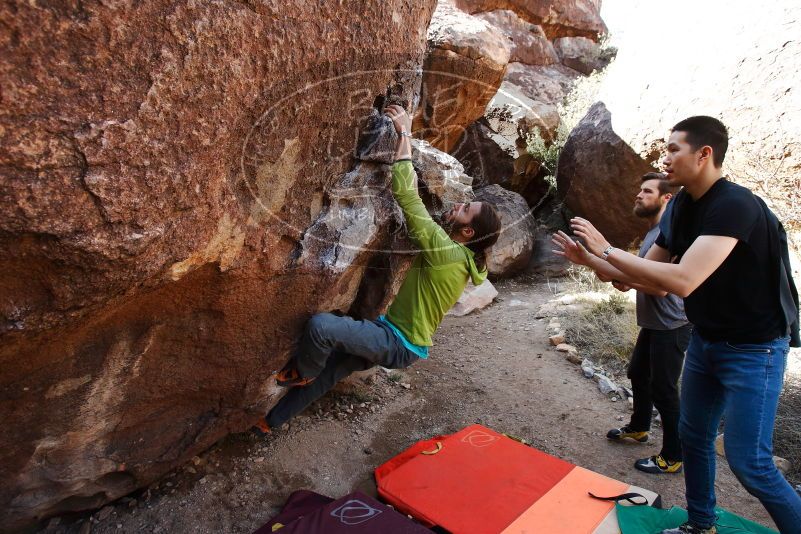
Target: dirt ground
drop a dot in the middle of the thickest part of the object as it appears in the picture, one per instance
(493, 367)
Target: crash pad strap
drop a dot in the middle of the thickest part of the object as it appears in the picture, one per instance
(641, 500)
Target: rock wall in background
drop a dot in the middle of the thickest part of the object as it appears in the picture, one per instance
(464, 66)
(550, 45)
(743, 71)
(178, 194)
(558, 18)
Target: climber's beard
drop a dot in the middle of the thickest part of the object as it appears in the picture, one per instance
(445, 221)
(451, 226)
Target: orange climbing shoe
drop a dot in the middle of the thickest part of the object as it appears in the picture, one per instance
(261, 428)
(290, 378)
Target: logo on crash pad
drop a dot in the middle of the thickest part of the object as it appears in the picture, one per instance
(355, 512)
(477, 438)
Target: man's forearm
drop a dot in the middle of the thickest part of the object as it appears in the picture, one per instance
(608, 270)
(649, 290)
(654, 274)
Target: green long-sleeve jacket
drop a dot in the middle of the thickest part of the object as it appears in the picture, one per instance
(439, 273)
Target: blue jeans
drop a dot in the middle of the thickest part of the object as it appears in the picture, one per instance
(740, 382)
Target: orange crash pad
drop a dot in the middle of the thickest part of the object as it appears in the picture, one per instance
(479, 481)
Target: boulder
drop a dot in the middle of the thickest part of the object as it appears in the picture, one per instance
(529, 44)
(599, 176)
(465, 65)
(559, 18)
(495, 148)
(548, 84)
(581, 54)
(543, 260)
(783, 465)
(474, 298)
(486, 155)
(605, 385)
(514, 115)
(511, 253)
(565, 347)
(442, 175)
(176, 199)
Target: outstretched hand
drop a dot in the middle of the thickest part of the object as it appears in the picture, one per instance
(572, 250)
(595, 241)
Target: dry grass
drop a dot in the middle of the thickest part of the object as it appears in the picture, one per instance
(606, 332)
(607, 329)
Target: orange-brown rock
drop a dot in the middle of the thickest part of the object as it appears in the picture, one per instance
(465, 65)
(528, 41)
(174, 191)
(559, 18)
(599, 176)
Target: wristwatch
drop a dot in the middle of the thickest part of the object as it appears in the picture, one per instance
(404, 132)
(607, 251)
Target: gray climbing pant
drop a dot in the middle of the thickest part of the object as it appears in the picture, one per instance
(333, 347)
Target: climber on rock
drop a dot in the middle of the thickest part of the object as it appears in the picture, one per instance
(332, 347)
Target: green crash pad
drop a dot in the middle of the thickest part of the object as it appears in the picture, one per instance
(649, 520)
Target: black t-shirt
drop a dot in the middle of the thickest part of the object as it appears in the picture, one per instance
(738, 302)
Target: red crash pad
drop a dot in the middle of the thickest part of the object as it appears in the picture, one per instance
(481, 481)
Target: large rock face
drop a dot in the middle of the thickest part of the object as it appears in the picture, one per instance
(465, 65)
(559, 18)
(178, 194)
(549, 84)
(599, 177)
(512, 252)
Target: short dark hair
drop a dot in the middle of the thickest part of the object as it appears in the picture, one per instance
(705, 131)
(664, 186)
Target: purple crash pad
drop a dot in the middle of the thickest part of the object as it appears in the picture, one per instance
(307, 512)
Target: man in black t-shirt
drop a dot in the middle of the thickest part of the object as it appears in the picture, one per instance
(720, 254)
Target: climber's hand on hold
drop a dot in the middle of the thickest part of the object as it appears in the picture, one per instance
(401, 119)
(403, 125)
